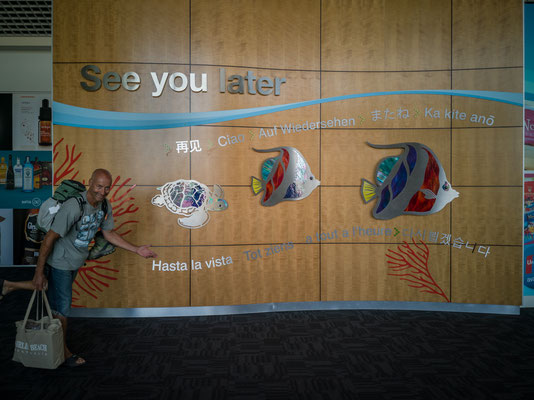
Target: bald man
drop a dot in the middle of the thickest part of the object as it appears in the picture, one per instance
(66, 245)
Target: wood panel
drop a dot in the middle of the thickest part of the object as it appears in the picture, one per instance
(246, 221)
(287, 276)
(342, 208)
(360, 272)
(258, 33)
(382, 111)
(152, 225)
(385, 35)
(492, 279)
(299, 86)
(477, 155)
(489, 215)
(121, 31)
(487, 33)
(235, 163)
(146, 157)
(137, 283)
(500, 80)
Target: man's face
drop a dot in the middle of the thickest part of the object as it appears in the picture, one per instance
(99, 187)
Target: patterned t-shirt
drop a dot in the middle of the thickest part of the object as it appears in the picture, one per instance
(71, 249)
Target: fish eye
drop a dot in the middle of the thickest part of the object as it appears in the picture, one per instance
(446, 186)
(311, 178)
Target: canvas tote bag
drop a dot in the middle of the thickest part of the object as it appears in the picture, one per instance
(39, 341)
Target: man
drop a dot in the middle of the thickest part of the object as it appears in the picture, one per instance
(65, 248)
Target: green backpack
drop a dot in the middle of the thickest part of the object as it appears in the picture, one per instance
(68, 189)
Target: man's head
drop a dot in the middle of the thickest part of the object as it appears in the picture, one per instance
(99, 186)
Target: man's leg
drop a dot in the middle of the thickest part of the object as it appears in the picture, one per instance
(60, 298)
(9, 286)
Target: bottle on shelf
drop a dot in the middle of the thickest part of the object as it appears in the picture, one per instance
(10, 175)
(45, 124)
(17, 169)
(3, 171)
(27, 176)
(36, 174)
(46, 176)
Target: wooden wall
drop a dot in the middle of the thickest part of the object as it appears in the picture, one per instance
(324, 49)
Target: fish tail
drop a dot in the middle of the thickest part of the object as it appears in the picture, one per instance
(368, 190)
(257, 185)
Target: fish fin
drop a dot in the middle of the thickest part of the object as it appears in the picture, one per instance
(267, 167)
(384, 168)
(368, 190)
(429, 194)
(257, 185)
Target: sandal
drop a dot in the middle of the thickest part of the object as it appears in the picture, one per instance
(72, 361)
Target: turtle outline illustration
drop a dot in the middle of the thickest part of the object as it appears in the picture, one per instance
(191, 199)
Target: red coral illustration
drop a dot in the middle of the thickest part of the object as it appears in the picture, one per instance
(96, 275)
(66, 169)
(410, 263)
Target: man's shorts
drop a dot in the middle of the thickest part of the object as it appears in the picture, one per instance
(60, 290)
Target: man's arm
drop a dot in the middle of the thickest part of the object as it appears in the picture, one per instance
(117, 240)
(39, 280)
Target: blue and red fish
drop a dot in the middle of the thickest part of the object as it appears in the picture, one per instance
(284, 177)
(413, 183)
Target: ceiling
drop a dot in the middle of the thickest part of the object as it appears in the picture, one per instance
(26, 18)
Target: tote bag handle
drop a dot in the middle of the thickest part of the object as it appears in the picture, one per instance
(28, 310)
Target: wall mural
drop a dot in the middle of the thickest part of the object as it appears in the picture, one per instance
(413, 183)
(414, 128)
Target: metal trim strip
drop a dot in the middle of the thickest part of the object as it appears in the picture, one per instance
(297, 306)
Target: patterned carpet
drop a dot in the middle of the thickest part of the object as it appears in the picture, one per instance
(287, 355)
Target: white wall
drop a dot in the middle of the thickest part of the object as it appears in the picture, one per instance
(25, 65)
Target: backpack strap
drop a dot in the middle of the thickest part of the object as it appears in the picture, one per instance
(105, 208)
(81, 203)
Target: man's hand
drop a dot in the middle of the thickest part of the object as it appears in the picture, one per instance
(144, 251)
(39, 281)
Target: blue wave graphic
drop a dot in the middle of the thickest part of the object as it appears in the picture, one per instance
(68, 115)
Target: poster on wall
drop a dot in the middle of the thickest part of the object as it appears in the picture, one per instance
(6, 236)
(25, 178)
(529, 88)
(528, 273)
(528, 254)
(32, 121)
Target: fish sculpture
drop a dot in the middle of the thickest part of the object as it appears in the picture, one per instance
(413, 183)
(284, 177)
